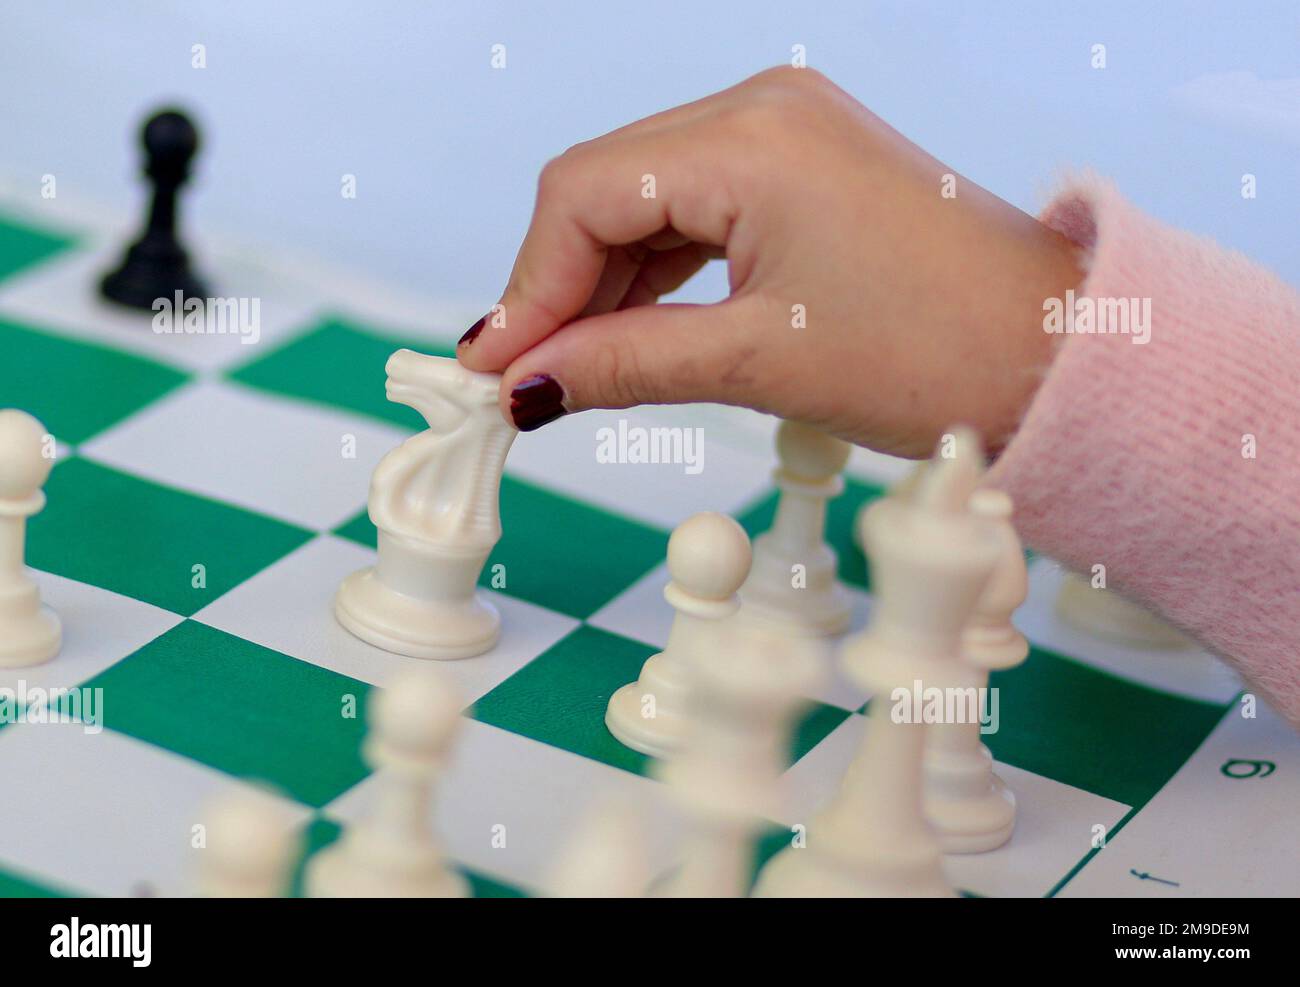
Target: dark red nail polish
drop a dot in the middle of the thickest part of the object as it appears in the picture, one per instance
(472, 332)
(535, 401)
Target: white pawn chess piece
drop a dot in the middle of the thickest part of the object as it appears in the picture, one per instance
(606, 858)
(969, 807)
(29, 632)
(708, 558)
(434, 501)
(743, 699)
(391, 852)
(793, 578)
(1105, 614)
(930, 562)
(250, 846)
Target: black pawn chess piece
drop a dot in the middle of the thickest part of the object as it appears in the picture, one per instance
(157, 265)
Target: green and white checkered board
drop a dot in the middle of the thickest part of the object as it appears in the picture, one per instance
(185, 451)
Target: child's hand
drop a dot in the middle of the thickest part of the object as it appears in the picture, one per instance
(919, 310)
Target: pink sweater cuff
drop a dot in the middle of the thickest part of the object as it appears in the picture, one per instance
(1174, 462)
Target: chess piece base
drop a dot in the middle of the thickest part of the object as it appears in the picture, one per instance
(659, 735)
(804, 873)
(974, 825)
(415, 628)
(149, 273)
(33, 634)
(333, 874)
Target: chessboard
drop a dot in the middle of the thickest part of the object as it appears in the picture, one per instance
(209, 494)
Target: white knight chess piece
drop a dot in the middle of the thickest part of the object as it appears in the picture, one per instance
(435, 501)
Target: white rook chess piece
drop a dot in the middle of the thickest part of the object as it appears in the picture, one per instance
(968, 805)
(29, 632)
(250, 846)
(435, 501)
(743, 698)
(930, 562)
(793, 578)
(391, 852)
(708, 557)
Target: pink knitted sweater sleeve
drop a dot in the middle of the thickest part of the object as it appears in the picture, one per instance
(1174, 462)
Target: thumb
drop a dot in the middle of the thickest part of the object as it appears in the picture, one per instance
(651, 354)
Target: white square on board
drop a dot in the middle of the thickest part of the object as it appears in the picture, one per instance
(273, 455)
(1053, 821)
(1208, 833)
(100, 628)
(538, 793)
(288, 607)
(562, 457)
(110, 815)
(62, 295)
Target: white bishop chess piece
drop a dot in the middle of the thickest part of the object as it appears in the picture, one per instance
(435, 501)
(708, 557)
(970, 808)
(392, 852)
(29, 632)
(793, 578)
(930, 561)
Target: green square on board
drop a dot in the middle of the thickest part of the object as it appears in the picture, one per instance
(1087, 728)
(22, 246)
(557, 552)
(241, 708)
(76, 388)
(14, 886)
(340, 364)
(560, 697)
(143, 540)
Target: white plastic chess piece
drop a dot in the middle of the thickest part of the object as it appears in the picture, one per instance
(970, 808)
(1106, 614)
(743, 699)
(435, 502)
(810, 599)
(930, 562)
(606, 857)
(250, 849)
(29, 632)
(392, 851)
(903, 489)
(708, 558)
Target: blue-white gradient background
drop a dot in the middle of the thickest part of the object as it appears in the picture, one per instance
(446, 149)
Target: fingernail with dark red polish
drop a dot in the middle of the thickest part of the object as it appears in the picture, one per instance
(535, 401)
(472, 332)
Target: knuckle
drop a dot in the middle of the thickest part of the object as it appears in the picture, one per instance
(619, 368)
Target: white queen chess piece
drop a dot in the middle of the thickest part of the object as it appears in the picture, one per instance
(29, 632)
(435, 501)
